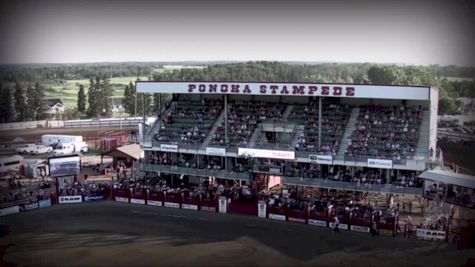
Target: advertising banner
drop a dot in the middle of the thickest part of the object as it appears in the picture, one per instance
(94, 198)
(299, 220)
(278, 217)
(189, 206)
(321, 159)
(264, 153)
(154, 203)
(216, 151)
(44, 203)
(262, 209)
(172, 204)
(341, 226)
(122, 199)
(70, 199)
(168, 148)
(208, 208)
(31, 206)
(9, 210)
(380, 163)
(66, 165)
(137, 201)
(361, 229)
(430, 234)
(317, 222)
(223, 205)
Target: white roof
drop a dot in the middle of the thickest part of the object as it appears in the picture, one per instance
(449, 177)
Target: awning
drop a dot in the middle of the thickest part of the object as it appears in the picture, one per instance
(128, 151)
(449, 177)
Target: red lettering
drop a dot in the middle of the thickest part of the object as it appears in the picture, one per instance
(263, 89)
(284, 91)
(350, 91)
(274, 89)
(299, 90)
(247, 90)
(202, 88)
(337, 90)
(234, 88)
(224, 88)
(191, 87)
(325, 90)
(213, 88)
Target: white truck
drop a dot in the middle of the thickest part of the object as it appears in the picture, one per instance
(25, 148)
(69, 148)
(54, 139)
(40, 149)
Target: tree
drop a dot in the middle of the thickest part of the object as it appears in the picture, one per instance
(106, 92)
(81, 99)
(20, 102)
(93, 99)
(30, 112)
(448, 106)
(129, 98)
(40, 103)
(7, 110)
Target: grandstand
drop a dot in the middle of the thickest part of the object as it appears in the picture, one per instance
(339, 136)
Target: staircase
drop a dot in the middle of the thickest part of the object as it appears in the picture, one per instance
(256, 135)
(350, 127)
(298, 131)
(424, 134)
(216, 124)
(287, 112)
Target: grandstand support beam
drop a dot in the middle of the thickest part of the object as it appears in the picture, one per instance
(226, 119)
(319, 122)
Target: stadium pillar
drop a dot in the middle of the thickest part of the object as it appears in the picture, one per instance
(226, 119)
(319, 122)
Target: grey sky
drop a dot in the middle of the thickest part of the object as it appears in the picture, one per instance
(434, 32)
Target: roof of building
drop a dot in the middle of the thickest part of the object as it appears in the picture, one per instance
(449, 177)
(132, 151)
(53, 101)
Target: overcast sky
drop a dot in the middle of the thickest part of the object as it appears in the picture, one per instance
(411, 32)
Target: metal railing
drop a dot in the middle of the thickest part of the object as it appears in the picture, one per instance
(224, 174)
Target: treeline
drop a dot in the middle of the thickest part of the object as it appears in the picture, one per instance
(22, 104)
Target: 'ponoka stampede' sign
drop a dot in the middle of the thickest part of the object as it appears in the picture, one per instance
(290, 89)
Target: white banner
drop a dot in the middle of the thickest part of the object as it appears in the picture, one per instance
(207, 208)
(262, 209)
(216, 151)
(137, 201)
(9, 210)
(317, 222)
(289, 89)
(278, 217)
(430, 234)
(223, 205)
(300, 220)
(264, 153)
(121, 199)
(321, 159)
(341, 226)
(362, 229)
(189, 206)
(70, 199)
(154, 203)
(172, 205)
(31, 206)
(380, 163)
(168, 148)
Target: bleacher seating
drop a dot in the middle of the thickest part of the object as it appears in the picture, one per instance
(385, 132)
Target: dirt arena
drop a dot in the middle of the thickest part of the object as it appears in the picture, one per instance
(122, 234)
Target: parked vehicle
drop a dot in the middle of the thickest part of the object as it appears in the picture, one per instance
(53, 139)
(69, 148)
(10, 163)
(25, 148)
(40, 149)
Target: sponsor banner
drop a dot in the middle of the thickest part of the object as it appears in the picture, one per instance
(341, 226)
(317, 222)
(299, 220)
(70, 199)
(321, 159)
(94, 198)
(430, 234)
(168, 148)
(172, 204)
(44, 203)
(207, 208)
(278, 217)
(223, 205)
(154, 203)
(31, 206)
(137, 201)
(122, 199)
(380, 163)
(189, 206)
(361, 229)
(262, 209)
(264, 153)
(287, 89)
(9, 210)
(216, 151)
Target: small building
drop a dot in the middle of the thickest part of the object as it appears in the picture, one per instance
(55, 106)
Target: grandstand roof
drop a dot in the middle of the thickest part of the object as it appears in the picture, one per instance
(449, 177)
(128, 151)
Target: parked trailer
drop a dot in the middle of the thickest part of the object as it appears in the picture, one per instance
(53, 139)
(10, 163)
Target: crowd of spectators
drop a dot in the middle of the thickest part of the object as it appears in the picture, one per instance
(243, 118)
(189, 122)
(84, 189)
(385, 132)
(334, 119)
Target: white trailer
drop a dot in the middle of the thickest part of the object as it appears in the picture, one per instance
(69, 148)
(10, 163)
(54, 139)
